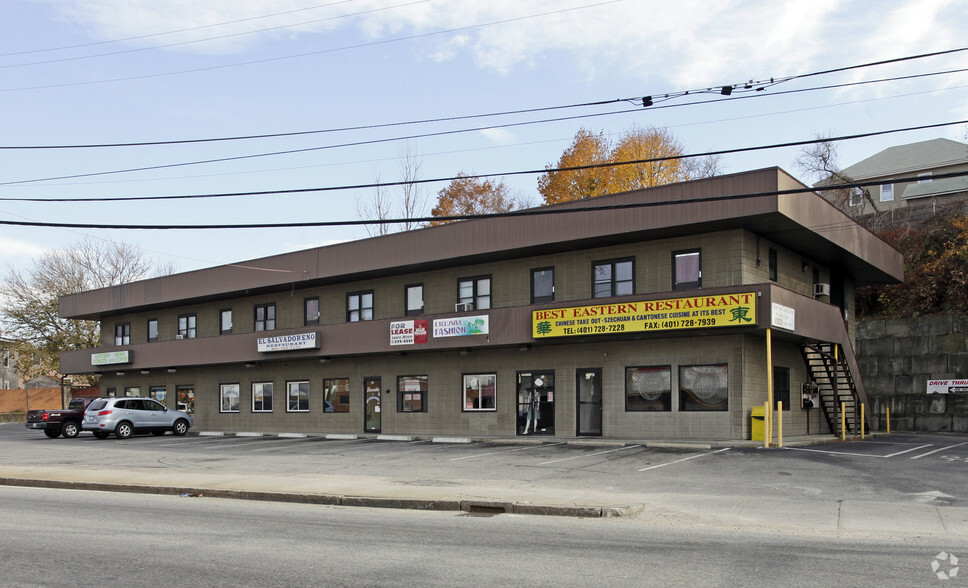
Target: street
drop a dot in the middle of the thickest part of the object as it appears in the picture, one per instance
(64, 537)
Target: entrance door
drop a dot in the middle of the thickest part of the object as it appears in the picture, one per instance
(371, 406)
(536, 403)
(589, 387)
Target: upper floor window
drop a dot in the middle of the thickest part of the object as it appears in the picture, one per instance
(887, 192)
(122, 334)
(476, 291)
(265, 317)
(225, 321)
(773, 266)
(543, 285)
(152, 330)
(686, 270)
(311, 311)
(359, 306)
(186, 326)
(856, 197)
(415, 301)
(613, 278)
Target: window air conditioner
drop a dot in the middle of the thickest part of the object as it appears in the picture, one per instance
(821, 289)
(179, 336)
(463, 306)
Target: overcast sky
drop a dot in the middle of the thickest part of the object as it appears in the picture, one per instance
(94, 72)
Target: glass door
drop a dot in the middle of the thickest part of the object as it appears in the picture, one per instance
(536, 403)
(371, 405)
(589, 388)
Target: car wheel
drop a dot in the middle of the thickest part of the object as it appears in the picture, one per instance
(52, 433)
(123, 430)
(70, 430)
(101, 434)
(180, 427)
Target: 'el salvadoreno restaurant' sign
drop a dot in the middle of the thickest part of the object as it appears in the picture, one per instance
(288, 342)
(695, 312)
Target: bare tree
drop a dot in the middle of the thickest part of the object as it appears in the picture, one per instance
(380, 207)
(30, 297)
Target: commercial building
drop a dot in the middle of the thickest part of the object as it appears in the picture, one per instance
(670, 312)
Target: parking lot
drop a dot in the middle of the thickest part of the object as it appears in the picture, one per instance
(910, 468)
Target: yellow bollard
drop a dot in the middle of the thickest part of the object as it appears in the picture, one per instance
(767, 433)
(779, 424)
(888, 420)
(861, 420)
(843, 421)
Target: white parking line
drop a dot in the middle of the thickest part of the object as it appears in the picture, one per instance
(858, 454)
(939, 449)
(683, 459)
(506, 451)
(589, 455)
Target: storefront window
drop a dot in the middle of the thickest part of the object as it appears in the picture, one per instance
(158, 393)
(336, 395)
(298, 396)
(262, 397)
(412, 394)
(648, 388)
(185, 396)
(229, 398)
(703, 388)
(479, 392)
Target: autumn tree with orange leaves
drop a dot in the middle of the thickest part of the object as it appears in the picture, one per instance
(650, 147)
(466, 195)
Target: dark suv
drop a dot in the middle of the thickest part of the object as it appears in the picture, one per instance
(126, 416)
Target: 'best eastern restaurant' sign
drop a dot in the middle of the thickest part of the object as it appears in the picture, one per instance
(697, 312)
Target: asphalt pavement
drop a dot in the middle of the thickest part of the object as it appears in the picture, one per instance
(586, 491)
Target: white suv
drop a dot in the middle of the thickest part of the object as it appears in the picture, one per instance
(126, 416)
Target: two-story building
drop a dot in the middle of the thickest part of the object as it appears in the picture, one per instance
(669, 312)
(906, 178)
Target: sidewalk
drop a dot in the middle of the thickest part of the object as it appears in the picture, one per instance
(536, 497)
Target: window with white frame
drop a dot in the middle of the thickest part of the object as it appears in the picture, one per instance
(480, 392)
(297, 396)
(261, 396)
(229, 398)
(887, 192)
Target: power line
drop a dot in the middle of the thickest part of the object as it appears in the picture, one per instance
(543, 211)
(436, 134)
(319, 52)
(496, 174)
(174, 32)
(757, 86)
(216, 38)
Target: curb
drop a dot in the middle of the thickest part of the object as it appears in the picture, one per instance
(469, 506)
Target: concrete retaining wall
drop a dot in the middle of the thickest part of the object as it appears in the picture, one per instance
(897, 357)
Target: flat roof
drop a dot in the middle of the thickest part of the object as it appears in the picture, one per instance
(802, 222)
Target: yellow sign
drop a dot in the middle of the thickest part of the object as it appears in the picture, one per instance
(697, 312)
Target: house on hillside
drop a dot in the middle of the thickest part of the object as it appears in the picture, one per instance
(922, 194)
(671, 312)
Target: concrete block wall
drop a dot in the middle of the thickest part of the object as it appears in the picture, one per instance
(897, 358)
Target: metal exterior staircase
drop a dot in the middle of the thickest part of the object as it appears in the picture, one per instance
(831, 375)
